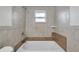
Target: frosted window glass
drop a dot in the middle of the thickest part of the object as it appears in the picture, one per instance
(40, 14)
(40, 20)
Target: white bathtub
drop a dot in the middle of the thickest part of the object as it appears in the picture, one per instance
(45, 46)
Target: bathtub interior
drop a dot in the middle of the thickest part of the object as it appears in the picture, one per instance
(47, 46)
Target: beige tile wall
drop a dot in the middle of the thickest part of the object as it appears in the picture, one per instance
(64, 16)
(12, 35)
(34, 29)
(62, 23)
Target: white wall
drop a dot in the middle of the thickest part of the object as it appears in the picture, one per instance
(5, 16)
(62, 20)
(39, 29)
(74, 16)
(74, 28)
(68, 25)
(62, 24)
(12, 35)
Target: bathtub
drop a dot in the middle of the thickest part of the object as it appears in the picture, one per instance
(40, 46)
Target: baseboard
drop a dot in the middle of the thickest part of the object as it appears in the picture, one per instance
(19, 44)
(39, 39)
(60, 39)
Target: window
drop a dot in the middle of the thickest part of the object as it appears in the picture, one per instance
(40, 16)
